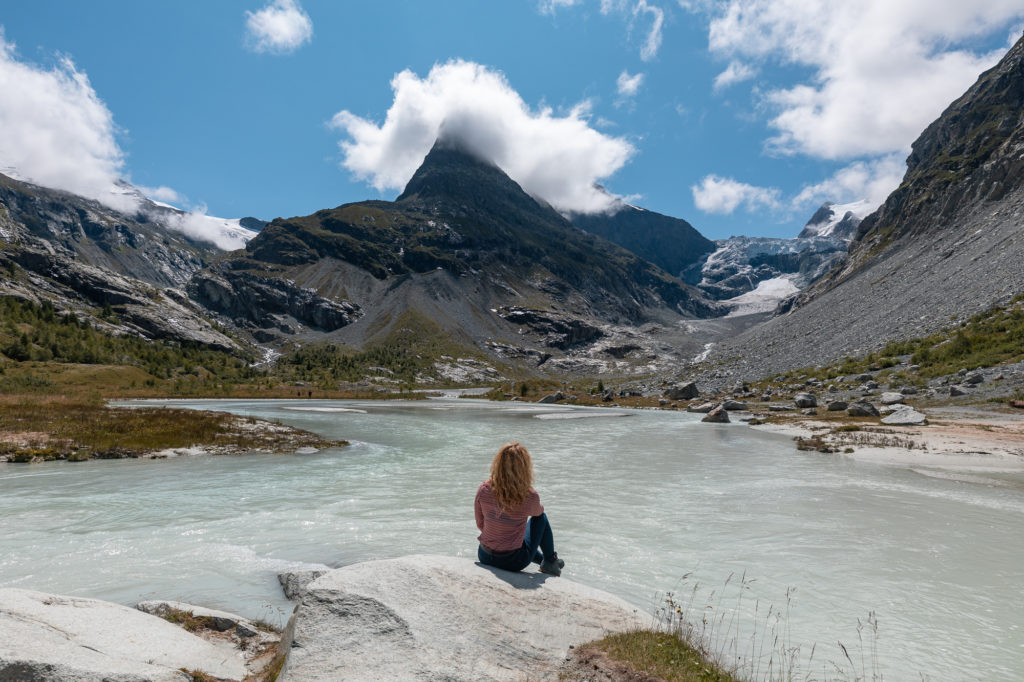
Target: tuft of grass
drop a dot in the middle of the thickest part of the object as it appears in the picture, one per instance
(663, 655)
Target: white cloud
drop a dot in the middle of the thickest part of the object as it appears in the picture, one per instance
(557, 158)
(736, 72)
(55, 131)
(551, 6)
(650, 49)
(221, 232)
(633, 9)
(871, 181)
(161, 193)
(881, 70)
(279, 28)
(627, 85)
(716, 194)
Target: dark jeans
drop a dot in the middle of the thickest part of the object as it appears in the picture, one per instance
(538, 535)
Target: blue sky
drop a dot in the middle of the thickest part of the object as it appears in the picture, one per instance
(813, 101)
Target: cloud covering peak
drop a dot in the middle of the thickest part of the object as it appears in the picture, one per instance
(560, 159)
(56, 131)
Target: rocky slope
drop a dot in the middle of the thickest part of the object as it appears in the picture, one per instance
(84, 257)
(946, 244)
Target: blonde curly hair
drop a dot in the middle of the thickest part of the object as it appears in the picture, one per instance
(511, 476)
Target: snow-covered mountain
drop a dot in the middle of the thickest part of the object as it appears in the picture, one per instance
(740, 264)
(836, 220)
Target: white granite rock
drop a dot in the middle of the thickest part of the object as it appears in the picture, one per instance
(445, 618)
(908, 416)
(52, 637)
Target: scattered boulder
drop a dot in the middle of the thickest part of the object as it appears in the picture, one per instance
(906, 416)
(974, 379)
(1019, 404)
(837, 406)
(779, 408)
(955, 391)
(717, 416)
(733, 405)
(685, 391)
(432, 617)
(703, 408)
(862, 408)
(810, 411)
(805, 400)
(52, 637)
(295, 583)
(891, 398)
(908, 390)
(552, 398)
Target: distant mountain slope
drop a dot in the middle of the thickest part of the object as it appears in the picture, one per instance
(949, 242)
(670, 243)
(465, 248)
(87, 259)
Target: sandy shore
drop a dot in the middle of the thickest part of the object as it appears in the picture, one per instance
(970, 444)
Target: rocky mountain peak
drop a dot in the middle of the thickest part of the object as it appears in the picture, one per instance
(451, 173)
(835, 220)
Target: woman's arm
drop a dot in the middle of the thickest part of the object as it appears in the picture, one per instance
(478, 510)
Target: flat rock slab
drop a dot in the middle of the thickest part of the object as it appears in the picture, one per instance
(905, 417)
(444, 618)
(51, 637)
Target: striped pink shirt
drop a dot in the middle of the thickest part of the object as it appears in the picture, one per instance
(502, 531)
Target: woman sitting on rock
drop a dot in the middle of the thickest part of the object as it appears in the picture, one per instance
(503, 505)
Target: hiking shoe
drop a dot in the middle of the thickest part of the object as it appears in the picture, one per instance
(553, 567)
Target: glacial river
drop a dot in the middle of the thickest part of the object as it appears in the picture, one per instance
(642, 503)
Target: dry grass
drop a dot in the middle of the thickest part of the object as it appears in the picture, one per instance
(58, 427)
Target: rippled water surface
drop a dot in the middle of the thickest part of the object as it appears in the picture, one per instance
(638, 499)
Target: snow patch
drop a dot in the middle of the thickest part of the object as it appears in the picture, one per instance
(764, 298)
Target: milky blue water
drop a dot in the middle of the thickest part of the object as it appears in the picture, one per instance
(638, 500)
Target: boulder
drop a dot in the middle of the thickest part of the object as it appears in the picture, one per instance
(891, 398)
(805, 400)
(552, 398)
(837, 405)
(703, 408)
(955, 391)
(907, 416)
(717, 416)
(974, 379)
(862, 408)
(685, 391)
(294, 584)
(52, 637)
(908, 390)
(779, 408)
(733, 405)
(810, 411)
(445, 618)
